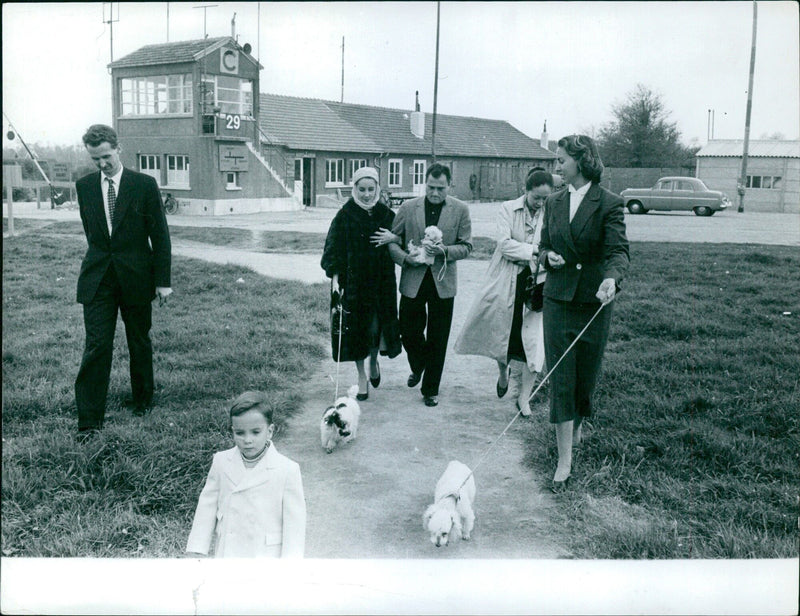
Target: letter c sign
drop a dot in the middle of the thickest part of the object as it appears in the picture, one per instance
(229, 61)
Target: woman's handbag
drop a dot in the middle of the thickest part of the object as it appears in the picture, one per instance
(534, 296)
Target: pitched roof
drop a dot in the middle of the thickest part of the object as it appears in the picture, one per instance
(309, 124)
(173, 53)
(302, 123)
(760, 148)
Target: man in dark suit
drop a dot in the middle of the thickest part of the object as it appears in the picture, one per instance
(126, 266)
(427, 291)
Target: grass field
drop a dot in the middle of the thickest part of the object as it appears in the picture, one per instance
(133, 490)
(693, 452)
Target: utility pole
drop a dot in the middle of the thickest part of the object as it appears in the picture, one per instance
(167, 22)
(743, 179)
(341, 99)
(435, 86)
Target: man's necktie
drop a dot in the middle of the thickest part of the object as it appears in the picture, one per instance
(112, 200)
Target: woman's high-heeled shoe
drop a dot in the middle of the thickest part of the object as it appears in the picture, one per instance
(361, 397)
(501, 391)
(376, 380)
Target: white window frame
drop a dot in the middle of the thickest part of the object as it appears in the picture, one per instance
(156, 96)
(773, 179)
(232, 180)
(395, 169)
(355, 165)
(178, 176)
(334, 172)
(150, 164)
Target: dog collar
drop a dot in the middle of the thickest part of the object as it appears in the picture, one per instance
(454, 495)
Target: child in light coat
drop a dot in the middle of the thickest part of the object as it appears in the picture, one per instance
(252, 503)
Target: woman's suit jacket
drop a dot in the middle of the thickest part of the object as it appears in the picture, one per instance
(255, 512)
(594, 244)
(138, 249)
(456, 228)
(487, 327)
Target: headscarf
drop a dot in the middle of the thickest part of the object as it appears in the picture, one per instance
(360, 174)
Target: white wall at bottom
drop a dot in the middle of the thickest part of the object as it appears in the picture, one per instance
(223, 207)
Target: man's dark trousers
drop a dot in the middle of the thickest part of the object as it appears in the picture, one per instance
(426, 350)
(100, 320)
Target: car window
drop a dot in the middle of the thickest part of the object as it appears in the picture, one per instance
(684, 185)
(665, 185)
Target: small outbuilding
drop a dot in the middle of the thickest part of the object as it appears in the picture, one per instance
(773, 172)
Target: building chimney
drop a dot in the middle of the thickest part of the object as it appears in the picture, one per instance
(233, 27)
(544, 141)
(417, 121)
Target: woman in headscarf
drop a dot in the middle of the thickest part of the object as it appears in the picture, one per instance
(585, 251)
(363, 279)
(498, 324)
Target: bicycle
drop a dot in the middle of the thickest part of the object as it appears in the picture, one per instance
(170, 204)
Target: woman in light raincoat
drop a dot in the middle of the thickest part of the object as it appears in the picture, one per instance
(498, 324)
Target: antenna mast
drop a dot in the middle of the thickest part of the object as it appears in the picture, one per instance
(110, 21)
(204, 7)
(341, 100)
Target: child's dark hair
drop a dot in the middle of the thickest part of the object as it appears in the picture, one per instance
(252, 401)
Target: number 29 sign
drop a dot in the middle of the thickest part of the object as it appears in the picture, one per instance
(232, 121)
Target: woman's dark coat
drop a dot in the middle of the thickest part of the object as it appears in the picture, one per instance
(367, 275)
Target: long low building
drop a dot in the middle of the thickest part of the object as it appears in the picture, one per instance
(191, 115)
(773, 172)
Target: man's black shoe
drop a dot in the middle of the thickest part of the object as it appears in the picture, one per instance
(413, 379)
(86, 434)
(141, 410)
(431, 400)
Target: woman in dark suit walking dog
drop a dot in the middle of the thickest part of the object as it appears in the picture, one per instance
(585, 251)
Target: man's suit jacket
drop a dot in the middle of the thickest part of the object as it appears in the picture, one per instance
(139, 248)
(594, 244)
(256, 512)
(409, 224)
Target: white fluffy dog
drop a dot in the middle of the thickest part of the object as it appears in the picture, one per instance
(340, 422)
(451, 510)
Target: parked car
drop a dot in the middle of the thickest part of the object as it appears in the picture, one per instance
(676, 194)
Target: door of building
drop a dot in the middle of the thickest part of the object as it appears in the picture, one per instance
(308, 182)
(420, 167)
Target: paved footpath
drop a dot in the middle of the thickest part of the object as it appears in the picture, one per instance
(728, 226)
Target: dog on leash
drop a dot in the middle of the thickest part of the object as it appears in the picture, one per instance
(451, 512)
(339, 422)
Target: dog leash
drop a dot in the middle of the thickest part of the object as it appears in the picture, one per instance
(339, 349)
(538, 387)
(443, 270)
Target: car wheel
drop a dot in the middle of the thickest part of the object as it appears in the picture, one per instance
(702, 210)
(635, 207)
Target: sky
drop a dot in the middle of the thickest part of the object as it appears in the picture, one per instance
(567, 63)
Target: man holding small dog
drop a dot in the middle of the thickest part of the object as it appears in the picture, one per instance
(427, 291)
(127, 264)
